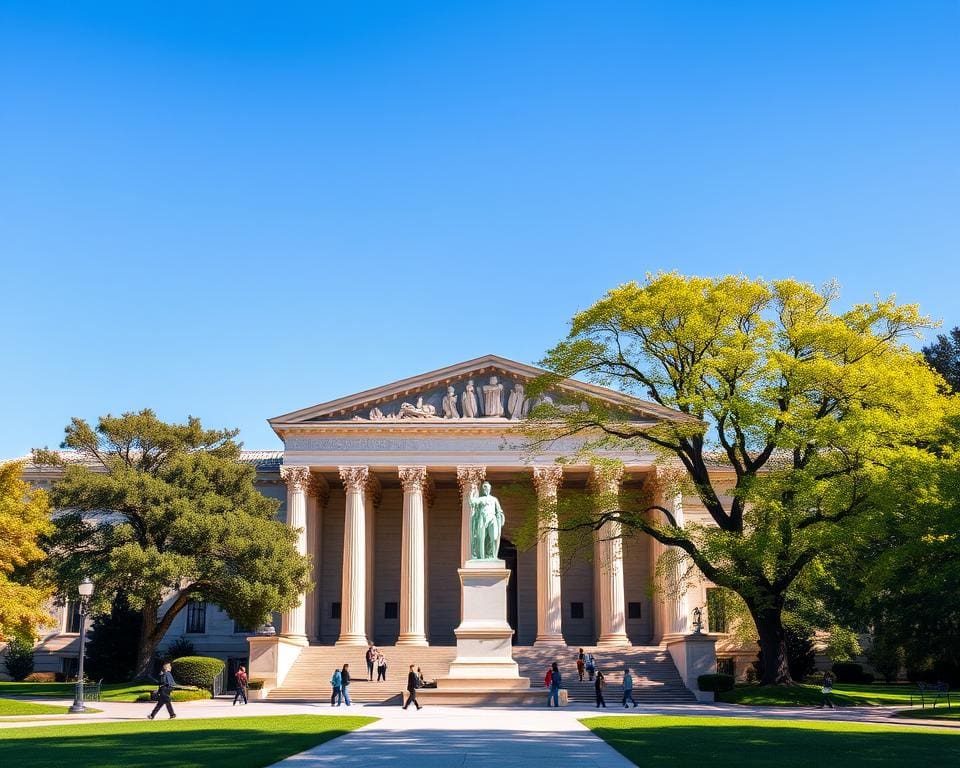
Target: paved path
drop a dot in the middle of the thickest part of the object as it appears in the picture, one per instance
(460, 737)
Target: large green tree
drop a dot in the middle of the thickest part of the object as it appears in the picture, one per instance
(944, 356)
(164, 514)
(806, 408)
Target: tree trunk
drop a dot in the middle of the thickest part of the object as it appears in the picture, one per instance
(149, 639)
(775, 669)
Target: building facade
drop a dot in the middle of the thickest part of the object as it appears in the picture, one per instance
(377, 485)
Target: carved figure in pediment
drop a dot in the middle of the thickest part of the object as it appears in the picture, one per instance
(493, 398)
(468, 401)
(450, 404)
(515, 402)
(376, 414)
(419, 411)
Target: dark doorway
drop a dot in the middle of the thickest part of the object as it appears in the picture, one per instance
(508, 553)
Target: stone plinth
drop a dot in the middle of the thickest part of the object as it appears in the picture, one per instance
(694, 655)
(484, 659)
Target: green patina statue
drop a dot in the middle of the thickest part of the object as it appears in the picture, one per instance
(486, 522)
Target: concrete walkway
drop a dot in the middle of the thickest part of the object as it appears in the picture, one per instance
(455, 736)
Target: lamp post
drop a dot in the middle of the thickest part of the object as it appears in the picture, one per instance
(85, 590)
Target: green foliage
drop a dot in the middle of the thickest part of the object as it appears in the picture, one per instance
(18, 658)
(185, 522)
(801, 657)
(197, 695)
(178, 649)
(886, 656)
(197, 670)
(821, 418)
(944, 357)
(847, 672)
(717, 682)
(112, 643)
(255, 685)
(843, 644)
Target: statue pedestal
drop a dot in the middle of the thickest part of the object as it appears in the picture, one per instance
(484, 666)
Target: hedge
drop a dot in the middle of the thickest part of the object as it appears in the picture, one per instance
(200, 693)
(716, 683)
(200, 671)
(847, 672)
(255, 685)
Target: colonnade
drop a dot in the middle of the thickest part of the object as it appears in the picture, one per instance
(307, 499)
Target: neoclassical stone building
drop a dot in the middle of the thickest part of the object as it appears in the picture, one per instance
(376, 483)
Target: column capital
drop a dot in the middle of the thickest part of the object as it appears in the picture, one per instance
(413, 478)
(547, 478)
(606, 479)
(470, 474)
(296, 477)
(354, 478)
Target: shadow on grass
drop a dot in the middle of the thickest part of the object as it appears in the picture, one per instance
(723, 743)
(233, 742)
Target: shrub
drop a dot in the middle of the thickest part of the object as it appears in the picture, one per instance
(847, 672)
(255, 685)
(200, 693)
(716, 683)
(41, 677)
(801, 658)
(197, 670)
(867, 677)
(18, 659)
(887, 657)
(814, 678)
(178, 649)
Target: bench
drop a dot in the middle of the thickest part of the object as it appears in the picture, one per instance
(931, 692)
(91, 691)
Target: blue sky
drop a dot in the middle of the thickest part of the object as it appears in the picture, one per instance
(235, 210)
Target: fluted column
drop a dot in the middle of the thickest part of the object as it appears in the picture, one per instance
(469, 477)
(371, 500)
(608, 564)
(293, 622)
(413, 560)
(549, 607)
(353, 611)
(678, 612)
(318, 492)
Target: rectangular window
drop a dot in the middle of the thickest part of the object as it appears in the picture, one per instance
(716, 611)
(576, 610)
(391, 610)
(196, 617)
(73, 617)
(634, 611)
(334, 610)
(239, 628)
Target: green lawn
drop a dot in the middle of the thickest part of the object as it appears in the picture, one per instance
(234, 742)
(844, 694)
(733, 742)
(109, 692)
(940, 713)
(10, 707)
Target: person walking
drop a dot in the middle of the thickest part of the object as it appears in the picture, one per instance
(628, 688)
(581, 665)
(345, 683)
(555, 680)
(413, 682)
(381, 667)
(241, 692)
(337, 696)
(371, 658)
(598, 685)
(591, 665)
(826, 691)
(165, 689)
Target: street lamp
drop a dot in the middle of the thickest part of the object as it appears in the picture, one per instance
(85, 590)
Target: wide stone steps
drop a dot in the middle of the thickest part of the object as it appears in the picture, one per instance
(655, 677)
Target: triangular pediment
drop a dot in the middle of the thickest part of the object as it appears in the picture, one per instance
(488, 388)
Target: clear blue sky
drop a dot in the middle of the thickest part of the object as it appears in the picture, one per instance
(234, 210)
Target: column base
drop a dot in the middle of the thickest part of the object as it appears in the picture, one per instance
(295, 639)
(352, 640)
(613, 640)
(550, 640)
(411, 639)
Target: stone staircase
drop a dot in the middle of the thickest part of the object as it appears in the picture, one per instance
(655, 677)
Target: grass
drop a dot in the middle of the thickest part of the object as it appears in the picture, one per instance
(844, 694)
(928, 713)
(234, 742)
(8, 707)
(733, 742)
(109, 691)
